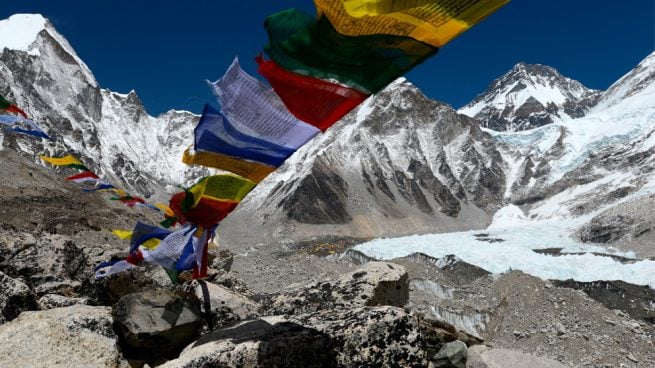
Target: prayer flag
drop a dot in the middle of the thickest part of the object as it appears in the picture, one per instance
(215, 133)
(207, 212)
(435, 22)
(256, 110)
(300, 44)
(83, 177)
(226, 187)
(250, 170)
(68, 161)
(315, 101)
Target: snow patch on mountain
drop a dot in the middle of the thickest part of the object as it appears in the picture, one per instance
(19, 32)
(640, 81)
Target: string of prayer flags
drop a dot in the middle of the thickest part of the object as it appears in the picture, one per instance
(319, 69)
(315, 101)
(300, 44)
(66, 161)
(166, 253)
(257, 111)
(215, 133)
(435, 22)
(8, 106)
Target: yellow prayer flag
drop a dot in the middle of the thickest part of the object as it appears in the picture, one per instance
(252, 171)
(122, 234)
(225, 187)
(167, 210)
(435, 22)
(120, 192)
(61, 161)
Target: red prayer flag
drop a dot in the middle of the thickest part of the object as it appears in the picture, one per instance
(207, 213)
(82, 175)
(15, 109)
(314, 101)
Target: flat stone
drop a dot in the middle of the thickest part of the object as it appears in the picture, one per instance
(480, 356)
(76, 336)
(373, 284)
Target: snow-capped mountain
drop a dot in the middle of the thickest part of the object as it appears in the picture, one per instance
(530, 96)
(110, 132)
(582, 193)
(399, 164)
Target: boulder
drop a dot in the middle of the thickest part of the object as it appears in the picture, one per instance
(108, 290)
(45, 259)
(481, 356)
(15, 297)
(222, 305)
(350, 337)
(155, 325)
(451, 355)
(77, 336)
(375, 283)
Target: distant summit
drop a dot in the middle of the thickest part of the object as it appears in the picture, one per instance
(530, 96)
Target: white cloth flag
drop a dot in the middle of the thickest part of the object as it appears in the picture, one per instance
(256, 110)
(170, 249)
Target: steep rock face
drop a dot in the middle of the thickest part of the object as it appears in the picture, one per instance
(530, 96)
(400, 163)
(111, 133)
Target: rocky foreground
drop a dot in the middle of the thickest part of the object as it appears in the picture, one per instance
(275, 306)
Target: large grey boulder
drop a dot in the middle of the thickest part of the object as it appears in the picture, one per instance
(15, 297)
(375, 283)
(71, 337)
(480, 356)
(222, 305)
(353, 337)
(155, 325)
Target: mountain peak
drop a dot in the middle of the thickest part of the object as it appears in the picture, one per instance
(19, 32)
(528, 96)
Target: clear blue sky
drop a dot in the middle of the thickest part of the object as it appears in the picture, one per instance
(166, 49)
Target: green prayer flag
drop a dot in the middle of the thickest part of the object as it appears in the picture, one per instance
(4, 103)
(299, 43)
